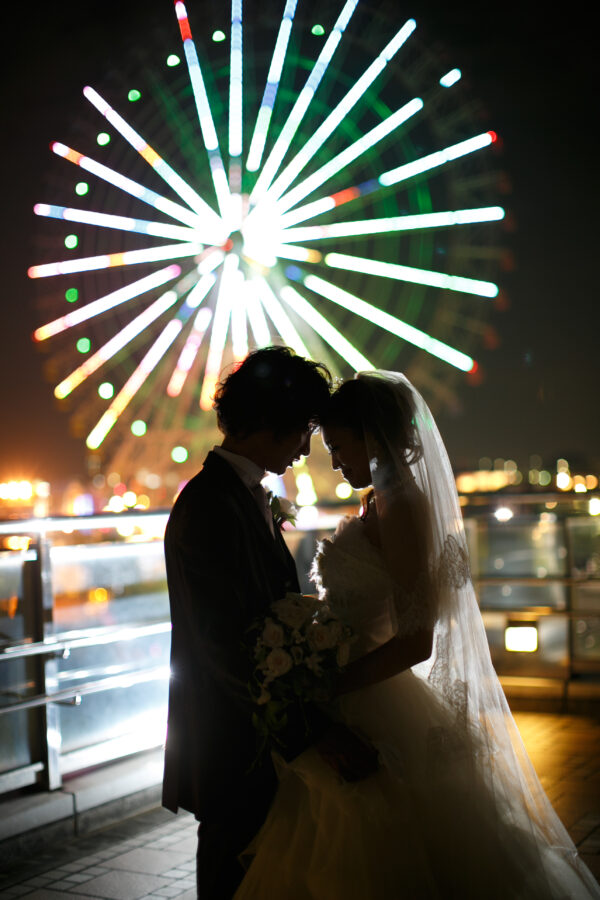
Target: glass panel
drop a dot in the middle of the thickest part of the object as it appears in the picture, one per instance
(515, 595)
(586, 640)
(584, 537)
(531, 548)
(18, 736)
(551, 657)
(108, 584)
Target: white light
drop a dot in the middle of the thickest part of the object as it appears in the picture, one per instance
(563, 481)
(343, 490)
(503, 514)
(521, 638)
(450, 78)
(594, 506)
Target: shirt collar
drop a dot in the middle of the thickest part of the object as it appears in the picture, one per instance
(248, 471)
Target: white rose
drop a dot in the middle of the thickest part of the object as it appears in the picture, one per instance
(277, 663)
(293, 610)
(320, 637)
(273, 634)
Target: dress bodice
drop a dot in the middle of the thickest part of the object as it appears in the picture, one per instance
(350, 574)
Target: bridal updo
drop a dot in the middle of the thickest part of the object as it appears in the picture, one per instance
(378, 412)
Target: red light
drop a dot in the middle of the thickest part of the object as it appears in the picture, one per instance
(493, 136)
(345, 196)
(474, 367)
(184, 27)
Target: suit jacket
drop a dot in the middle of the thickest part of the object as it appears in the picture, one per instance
(224, 569)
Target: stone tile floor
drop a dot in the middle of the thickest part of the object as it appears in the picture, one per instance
(153, 854)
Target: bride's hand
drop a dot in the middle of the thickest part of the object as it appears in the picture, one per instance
(347, 754)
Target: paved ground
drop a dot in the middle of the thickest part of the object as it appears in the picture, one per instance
(153, 854)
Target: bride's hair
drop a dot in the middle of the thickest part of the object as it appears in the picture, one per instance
(368, 405)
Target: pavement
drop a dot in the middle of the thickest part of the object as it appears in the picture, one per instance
(152, 854)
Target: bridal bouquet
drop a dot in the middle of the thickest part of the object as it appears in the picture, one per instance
(299, 648)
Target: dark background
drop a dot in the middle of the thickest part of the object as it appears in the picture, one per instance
(533, 72)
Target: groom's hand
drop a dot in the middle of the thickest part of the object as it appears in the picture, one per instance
(347, 754)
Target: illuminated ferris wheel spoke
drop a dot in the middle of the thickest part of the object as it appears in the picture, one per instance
(110, 260)
(393, 176)
(394, 223)
(235, 81)
(411, 274)
(339, 162)
(218, 338)
(302, 103)
(279, 317)
(346, 104)
(207, 126)
(325, 329)
(190, 348)
(109, 301)
(124, 336)
(259, 137)
(174, 210)
(300, 254)
(439, 158)
(256, 316)
(239, 318)
(207, 216)
(133, 383)
(389, 323)
(120, 223)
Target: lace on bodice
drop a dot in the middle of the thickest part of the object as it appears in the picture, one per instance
(350, 573)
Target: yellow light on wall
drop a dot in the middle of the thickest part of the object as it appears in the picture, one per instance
(521, 638)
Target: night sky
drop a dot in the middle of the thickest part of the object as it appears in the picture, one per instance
(532, 73)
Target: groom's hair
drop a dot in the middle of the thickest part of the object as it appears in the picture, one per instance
(272, 389)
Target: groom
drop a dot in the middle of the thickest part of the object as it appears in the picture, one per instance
(226, 563)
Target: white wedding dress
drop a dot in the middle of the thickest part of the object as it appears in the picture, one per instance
(428, 824)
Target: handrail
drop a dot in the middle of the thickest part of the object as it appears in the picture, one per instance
(93, 637)
(93, 687)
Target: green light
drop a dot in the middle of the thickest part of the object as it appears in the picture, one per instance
(133, 95)
(71, 241)
(219, 36)
(106, 390)
(83, 345)
(173, 60)
(138, 427)
(179, 454)
(317, 30)
(71, 295)
(81, 188)
(103, 138)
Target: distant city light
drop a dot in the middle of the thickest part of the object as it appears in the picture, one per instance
(521, 638)
(103, 139)
(306, 492)
(545, 478)
(71, 241)
(563, 481)
(179, 454)
(594, 506)
(81, 188)
(133, 95)
(503, 514)
(71, 295)
(317, 30)
(218, 36)
(173, 60)
(343, 490)
(138, 427)
(106, 390)
(83, 345)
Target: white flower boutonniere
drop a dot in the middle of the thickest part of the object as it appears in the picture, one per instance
(283, 510)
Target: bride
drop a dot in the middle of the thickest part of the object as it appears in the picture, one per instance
(455, 810)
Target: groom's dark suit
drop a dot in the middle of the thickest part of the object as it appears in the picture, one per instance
(224, 568)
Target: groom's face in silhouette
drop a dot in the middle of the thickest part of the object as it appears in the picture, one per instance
(281, 450)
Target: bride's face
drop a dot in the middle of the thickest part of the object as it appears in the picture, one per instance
(348, 453)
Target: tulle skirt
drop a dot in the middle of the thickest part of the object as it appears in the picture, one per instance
(428, 825)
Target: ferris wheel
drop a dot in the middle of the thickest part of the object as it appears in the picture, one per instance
(318, 182)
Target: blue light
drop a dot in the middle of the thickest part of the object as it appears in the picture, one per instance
(293, 273)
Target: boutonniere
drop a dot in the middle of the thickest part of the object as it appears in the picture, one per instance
(283, 510)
